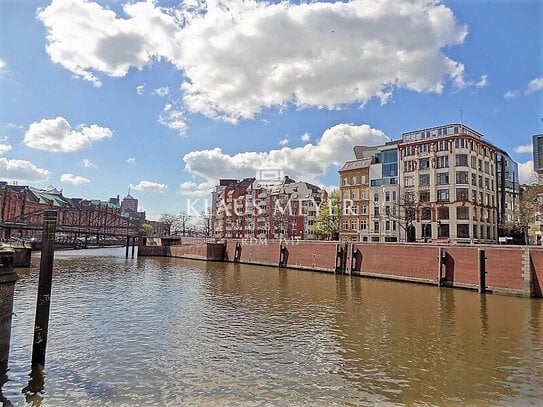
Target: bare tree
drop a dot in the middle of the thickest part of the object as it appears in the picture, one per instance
(169, 222)
(530, 202)
(205, 224)
(183, 219)
(405, 213)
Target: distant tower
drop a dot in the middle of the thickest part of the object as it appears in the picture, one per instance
(129, 203)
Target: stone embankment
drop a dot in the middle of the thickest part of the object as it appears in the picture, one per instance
(514, 270)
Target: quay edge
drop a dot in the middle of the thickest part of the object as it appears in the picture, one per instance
(508, 270)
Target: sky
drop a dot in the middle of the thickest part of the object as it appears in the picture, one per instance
(164, 98)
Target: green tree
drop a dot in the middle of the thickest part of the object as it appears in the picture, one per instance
(327, 219)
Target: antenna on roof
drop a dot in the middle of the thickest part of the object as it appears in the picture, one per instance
(462, 119)
(128, 189)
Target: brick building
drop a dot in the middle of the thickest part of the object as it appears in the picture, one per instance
(265, 209)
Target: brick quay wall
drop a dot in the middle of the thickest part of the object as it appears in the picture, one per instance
(514, 270)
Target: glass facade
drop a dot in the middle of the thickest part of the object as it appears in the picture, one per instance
(538, 152)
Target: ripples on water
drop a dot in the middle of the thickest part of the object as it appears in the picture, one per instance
(155, 331)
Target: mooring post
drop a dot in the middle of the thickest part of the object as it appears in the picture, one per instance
(8, 277)
(133, 245)
(127, 245)
(440, 259)
(43, 303)
(482, 271)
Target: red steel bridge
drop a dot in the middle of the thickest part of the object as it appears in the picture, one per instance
(85, 221)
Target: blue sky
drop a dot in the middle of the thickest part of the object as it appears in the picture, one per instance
(167, 97)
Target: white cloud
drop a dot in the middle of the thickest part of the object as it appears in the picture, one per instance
(163, 91)
(2, 64)
(149, 186)
(305, 163)
(306, 137)
(57, 135)
(4, 148)
(193, 190)
(283, 142)
(139, 89)
(534, 85)
(73, 179)
(21, 170)
(86, 38)
(526, 173)
(240, 57)
(528, 148)
(88, 164)
(174, 118)
(511, 94)
(482, 82)
(131, 160)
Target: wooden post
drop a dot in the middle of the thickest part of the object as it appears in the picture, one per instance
(133, 245)
(482, 270)
(8, 277)
(440, 257)
(41, 325)
(127, 245)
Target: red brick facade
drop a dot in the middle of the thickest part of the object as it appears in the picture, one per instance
(514, 270)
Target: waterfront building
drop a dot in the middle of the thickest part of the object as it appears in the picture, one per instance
(538, 156)
(265, 209)
(508, 190)
(354, 180)
(450, 173)
(443, 183)
(369, 192)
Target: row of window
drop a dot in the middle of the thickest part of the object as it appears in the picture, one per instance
(443, 178)
(461, 160)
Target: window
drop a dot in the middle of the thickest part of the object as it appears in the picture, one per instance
(363, 209)
(354, 195)
(345, 225)
(376, 211)
(387, 196)
(424, 179)
(462, 212)
(461, 160)
(426, 214)
(410, 150)
(424, 196)
(442, 161)
(474, 180)
(376, 197)
(376, 226)
(353, 224)
(363, 225)
(394, 195)
(461, 177)
(443, 145)
(443, 230)
(443, 195)
(424, 163)
(363, 179)
(443, 212)
(462, 231)
(387, 226)
(462, 194)
(410, 165)
(473, 161)
(442, 178)
(344, 181)
(408, 181)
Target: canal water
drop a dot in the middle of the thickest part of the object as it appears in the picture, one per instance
(172, 332)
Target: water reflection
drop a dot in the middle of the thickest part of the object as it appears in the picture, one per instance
(171, 332)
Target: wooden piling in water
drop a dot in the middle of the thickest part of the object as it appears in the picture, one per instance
(481, 262)
(43, 302)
